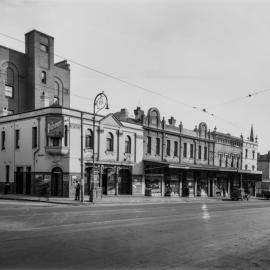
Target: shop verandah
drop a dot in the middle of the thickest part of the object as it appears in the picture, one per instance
(167, 179)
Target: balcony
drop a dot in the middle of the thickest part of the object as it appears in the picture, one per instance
(57, 150)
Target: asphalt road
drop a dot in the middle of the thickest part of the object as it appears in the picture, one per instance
(214, 235)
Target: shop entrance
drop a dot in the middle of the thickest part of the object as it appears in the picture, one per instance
(57, 182)
(124, 182)
(19, 180)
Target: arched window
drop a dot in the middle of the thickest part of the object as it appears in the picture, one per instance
(43, 77)
(89, 139)
(57, 92)
(154, 118)
(109, 142)
(128, 145)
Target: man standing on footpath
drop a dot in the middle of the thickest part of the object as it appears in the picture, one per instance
(77, 191)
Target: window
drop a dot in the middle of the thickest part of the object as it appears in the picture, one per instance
(66, 136)
(34, 137)
(246, 153)
(149, 145)
(3, 140)
(246, 167)
(232, 162)
(56, 142)
(237, 164)
(220, 160)
(7, 173)
(43, 77)
(89, 139)
(168, 147)
(158, 146)
(43, 48)
(200, 152)
(185, 150)
(175, 149)
(191, 151)
(109, 141)
(253, 168)
(253, 154)
(128, 145)
(9, 91)
(17, 138)
(205, 153)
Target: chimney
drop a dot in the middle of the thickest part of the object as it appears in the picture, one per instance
(123, 114)
(45, 100)
(172, 121)
(139, 114)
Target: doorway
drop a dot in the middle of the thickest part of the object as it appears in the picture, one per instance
(28, 181)
(57, 182)
(124, 182)
(19, 180)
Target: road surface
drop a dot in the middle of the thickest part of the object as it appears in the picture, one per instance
(198, 235)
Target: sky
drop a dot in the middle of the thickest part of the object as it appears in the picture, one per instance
(195, 60)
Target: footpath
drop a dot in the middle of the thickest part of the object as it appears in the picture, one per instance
(112, 200)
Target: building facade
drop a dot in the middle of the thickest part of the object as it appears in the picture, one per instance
(44, 145)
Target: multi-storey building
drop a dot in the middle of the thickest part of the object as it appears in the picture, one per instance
(198, 162)
(27, 80)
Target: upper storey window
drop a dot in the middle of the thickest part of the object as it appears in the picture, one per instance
(9, 83)
(43, 48)
(43, 77)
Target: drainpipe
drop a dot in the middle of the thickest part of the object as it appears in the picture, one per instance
(38, 146)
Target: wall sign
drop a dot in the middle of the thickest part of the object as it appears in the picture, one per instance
(55, 126)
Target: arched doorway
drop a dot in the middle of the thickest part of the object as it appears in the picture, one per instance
(124, 182)
(57, 182)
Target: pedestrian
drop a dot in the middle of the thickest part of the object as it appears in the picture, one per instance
(77, 191)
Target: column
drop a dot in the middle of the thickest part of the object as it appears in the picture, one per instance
(180, 187)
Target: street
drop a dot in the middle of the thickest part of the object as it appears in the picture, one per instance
(197, 235)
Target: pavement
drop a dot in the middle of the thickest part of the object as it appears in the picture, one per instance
(114, 200)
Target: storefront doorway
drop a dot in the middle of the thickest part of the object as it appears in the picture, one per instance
(19, 180)
(57, 182)
(124, 182)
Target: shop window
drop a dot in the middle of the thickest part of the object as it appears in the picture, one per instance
(3, 140)
(128, 144)
(149, 145)
(205, 153)
(34, 137)
(191, 150)
(200, 152)
(185, 150)
(89, 139)
(17, 139)
(43, 77)
(158, 146)
(175, 149)
(109, 141)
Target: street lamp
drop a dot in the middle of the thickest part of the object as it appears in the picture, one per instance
(100, 102)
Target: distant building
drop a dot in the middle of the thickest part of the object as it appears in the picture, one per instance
(198, 162)
(264, 166)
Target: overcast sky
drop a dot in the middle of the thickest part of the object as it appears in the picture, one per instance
(206, 54)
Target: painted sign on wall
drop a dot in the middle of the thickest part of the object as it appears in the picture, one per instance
(55, 126)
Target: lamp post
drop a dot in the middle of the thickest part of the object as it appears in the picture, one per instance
(100, 102)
